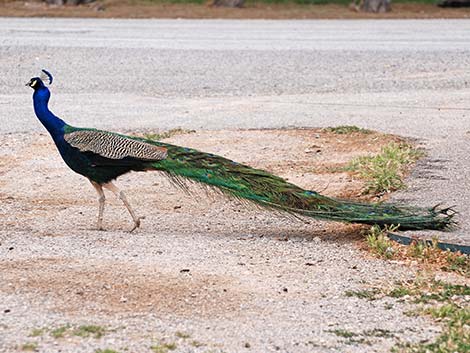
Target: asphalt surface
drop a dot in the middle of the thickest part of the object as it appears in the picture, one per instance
(404, 77)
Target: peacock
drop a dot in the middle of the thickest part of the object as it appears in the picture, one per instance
(102, 156)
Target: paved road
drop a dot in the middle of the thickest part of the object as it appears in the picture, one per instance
(405, 77)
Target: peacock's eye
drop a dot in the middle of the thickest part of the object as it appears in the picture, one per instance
(33, 83)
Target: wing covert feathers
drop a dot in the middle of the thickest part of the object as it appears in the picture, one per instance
(114, 146)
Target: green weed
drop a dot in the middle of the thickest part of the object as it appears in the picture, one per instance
(362, 294)
(347, 129)
(378, 332)
(379, 243)
(182, 335)
(80, 331)
(89, 330)
(399, 292)
(425, 291)
(197, 344)
(167, 134)
(60, 331)
(456, 333)
(423, 249)
(29, 347)
(343, 333)
(458, 263)
(450, 311)
(163, 347)
(106, 350)
(359, 340)
(36, 332)
(447, 292)
(385, 172)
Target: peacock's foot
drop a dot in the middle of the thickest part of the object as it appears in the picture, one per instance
(136, 223)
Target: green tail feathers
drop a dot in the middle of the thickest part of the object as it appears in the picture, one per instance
(270, 191)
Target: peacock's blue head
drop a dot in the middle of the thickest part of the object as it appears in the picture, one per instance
(36, 83)
(41, 92)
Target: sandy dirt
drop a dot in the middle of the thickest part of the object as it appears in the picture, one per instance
(204, 274)
(142, 9)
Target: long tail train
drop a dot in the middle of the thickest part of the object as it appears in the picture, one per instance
(241, 181)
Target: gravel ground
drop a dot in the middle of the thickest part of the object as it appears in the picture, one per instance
(247, 288)
(231, 279)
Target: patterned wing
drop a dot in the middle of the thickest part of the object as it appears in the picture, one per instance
(114, 146)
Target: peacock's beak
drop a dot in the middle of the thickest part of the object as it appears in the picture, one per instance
(31, 83)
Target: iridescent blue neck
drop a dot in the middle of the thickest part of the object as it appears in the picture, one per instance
(52, 123)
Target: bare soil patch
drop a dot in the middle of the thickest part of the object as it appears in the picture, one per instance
(141, 9)
(107, 288)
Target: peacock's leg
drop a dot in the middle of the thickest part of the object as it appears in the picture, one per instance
(101, 200)
(114, 189)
